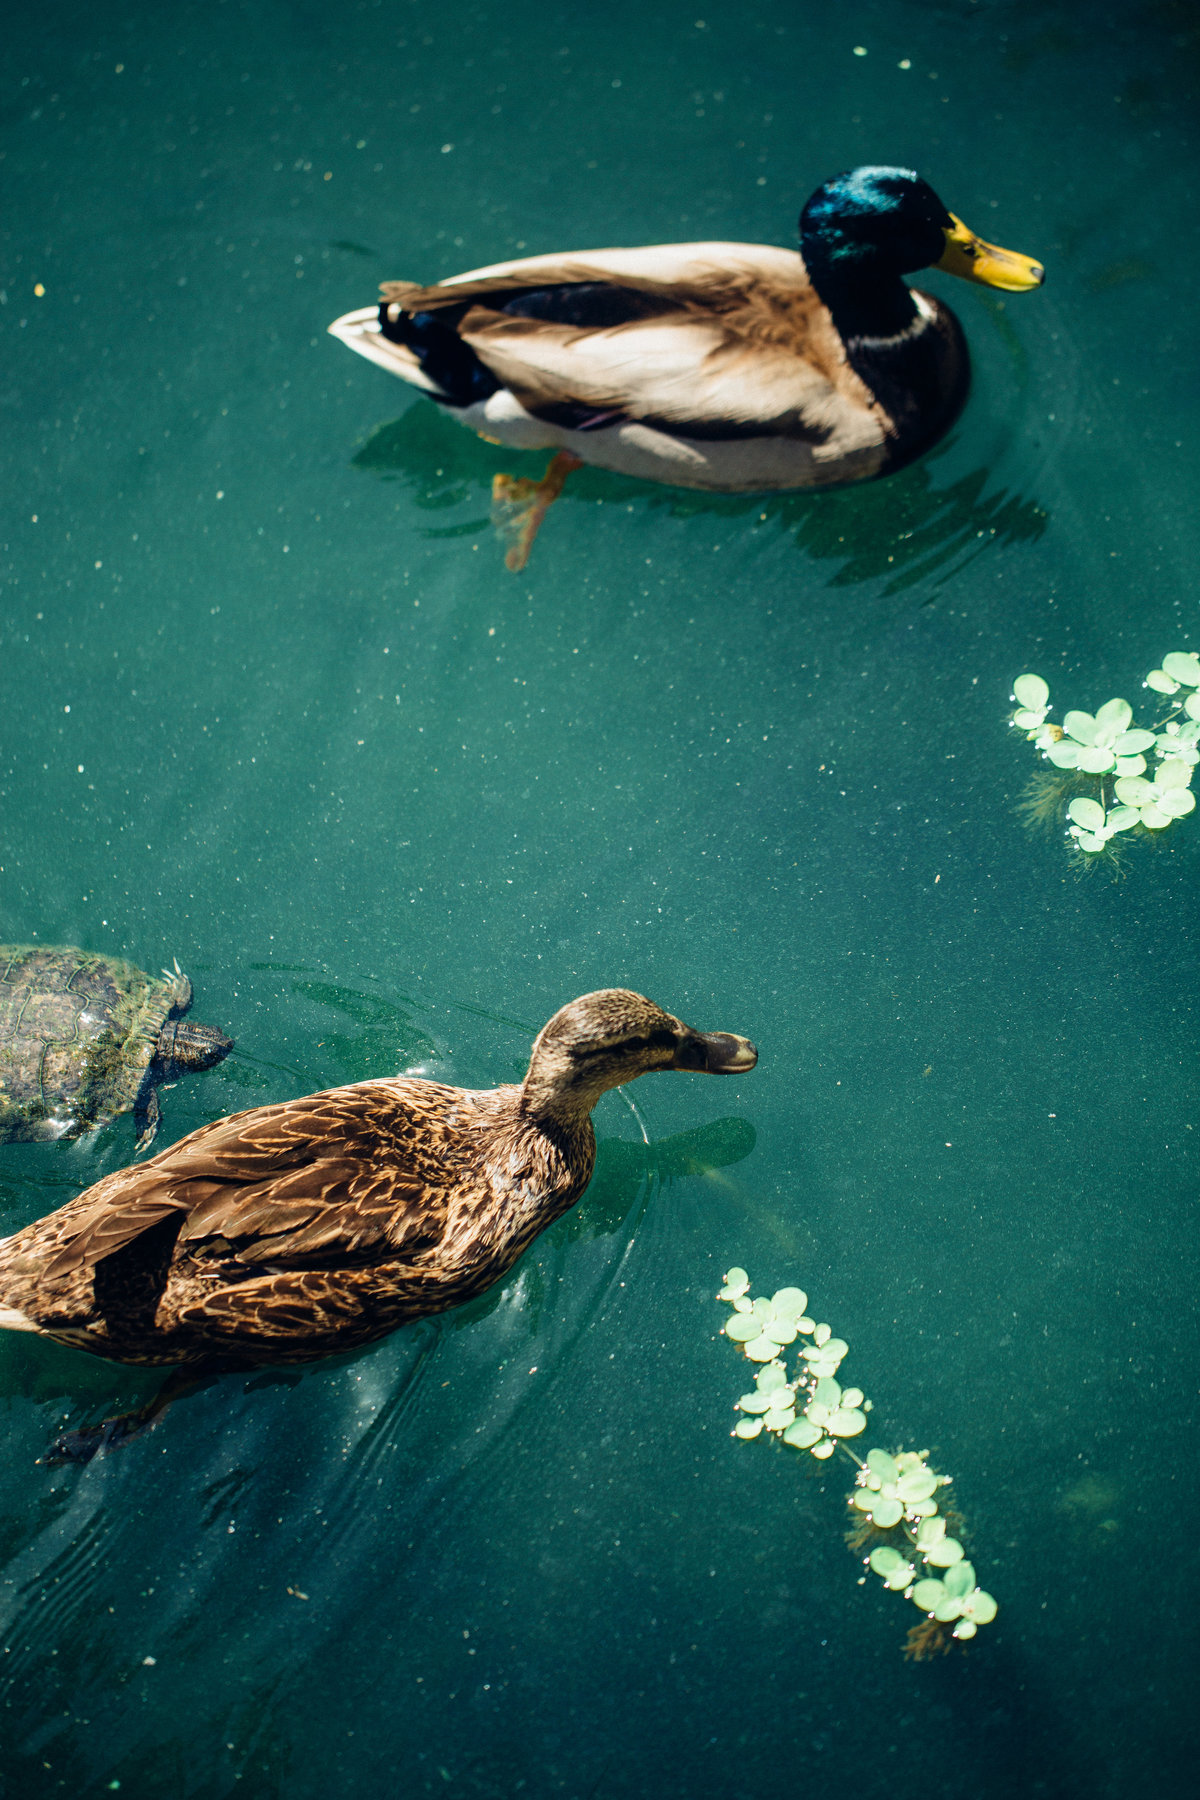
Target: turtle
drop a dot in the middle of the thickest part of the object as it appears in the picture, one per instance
(85, 1037)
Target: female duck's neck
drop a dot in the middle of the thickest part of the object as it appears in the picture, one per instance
(866, 301)
(564, 1113)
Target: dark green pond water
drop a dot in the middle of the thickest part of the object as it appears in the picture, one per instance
(273, 705)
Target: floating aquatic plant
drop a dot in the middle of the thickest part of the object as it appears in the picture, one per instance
(1103, 787)
(894, 1502)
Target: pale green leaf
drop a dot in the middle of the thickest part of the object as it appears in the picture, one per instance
(960, 1579)
(1174, 773)
(1114, 715)
(1064, 754)
(1122, 817)
(917, 1484)
(928, 1594)
(1088, 813)
(885, 1559)
(945, 1554)
(1182, 666)
(789, 1302)
(1030, 690)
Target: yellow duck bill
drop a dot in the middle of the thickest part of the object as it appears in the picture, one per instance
(972, 259)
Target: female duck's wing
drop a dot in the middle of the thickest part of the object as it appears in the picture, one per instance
(333, 1176)
(704, 340)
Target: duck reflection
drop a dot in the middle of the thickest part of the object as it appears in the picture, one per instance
(625, 1171)
(902, 531)
(627, 1177)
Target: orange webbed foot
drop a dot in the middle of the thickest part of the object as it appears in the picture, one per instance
(519, 506)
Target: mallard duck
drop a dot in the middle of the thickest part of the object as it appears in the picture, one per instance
(293, 1231)
(730, 367)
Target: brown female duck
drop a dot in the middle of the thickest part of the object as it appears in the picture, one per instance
(294, 1231)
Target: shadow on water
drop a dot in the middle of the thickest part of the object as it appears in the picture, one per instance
(627, 1177)
(369, 1035)
(903, 530)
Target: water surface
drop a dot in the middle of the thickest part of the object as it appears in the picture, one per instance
(272, 704)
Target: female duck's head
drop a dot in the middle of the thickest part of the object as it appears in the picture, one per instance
(605, 1039)
(866, 228)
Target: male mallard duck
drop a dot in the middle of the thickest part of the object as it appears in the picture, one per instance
(293, 1231)
(730, 367)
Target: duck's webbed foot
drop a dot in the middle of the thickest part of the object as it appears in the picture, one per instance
(96, 1440)
(519, 506)
(82, 1445)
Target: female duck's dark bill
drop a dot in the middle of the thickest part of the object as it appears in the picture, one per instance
(716, 1053)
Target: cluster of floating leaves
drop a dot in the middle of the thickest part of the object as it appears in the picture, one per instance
(895, 1496)
(1106, 753)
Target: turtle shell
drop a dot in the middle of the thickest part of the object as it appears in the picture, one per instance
(77, 1038)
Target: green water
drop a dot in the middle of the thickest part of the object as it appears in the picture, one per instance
(391, 806)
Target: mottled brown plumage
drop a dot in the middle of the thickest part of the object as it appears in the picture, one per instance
(293, 1231)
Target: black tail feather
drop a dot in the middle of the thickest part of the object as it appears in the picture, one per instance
(434, 341)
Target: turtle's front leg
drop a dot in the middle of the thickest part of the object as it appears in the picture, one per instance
(147, 1116)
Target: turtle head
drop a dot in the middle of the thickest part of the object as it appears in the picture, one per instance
(184, 1047)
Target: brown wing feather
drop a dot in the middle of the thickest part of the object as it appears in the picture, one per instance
(343, 1169)
(731, 347)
